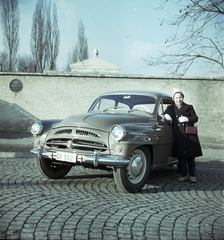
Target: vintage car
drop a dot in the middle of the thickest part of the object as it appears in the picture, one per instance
(123, 131)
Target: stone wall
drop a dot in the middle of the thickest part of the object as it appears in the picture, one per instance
(57, 96)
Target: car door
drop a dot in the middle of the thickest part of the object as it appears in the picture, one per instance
(164, 149)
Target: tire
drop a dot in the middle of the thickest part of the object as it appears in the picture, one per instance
(133, 178)
(49, 170)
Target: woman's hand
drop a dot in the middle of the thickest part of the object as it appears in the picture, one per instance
(183, 119)
(168, 118)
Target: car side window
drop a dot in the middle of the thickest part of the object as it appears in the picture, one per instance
(163, 106)
(160, 110)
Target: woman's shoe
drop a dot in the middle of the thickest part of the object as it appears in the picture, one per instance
(192, 179)
(182, 179)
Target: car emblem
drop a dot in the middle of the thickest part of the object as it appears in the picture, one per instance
(69, 144)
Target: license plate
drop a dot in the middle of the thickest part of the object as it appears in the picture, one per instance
(66, 157)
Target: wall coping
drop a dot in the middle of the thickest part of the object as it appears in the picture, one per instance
(97, 75)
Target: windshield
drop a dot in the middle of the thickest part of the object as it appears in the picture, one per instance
(125, 102)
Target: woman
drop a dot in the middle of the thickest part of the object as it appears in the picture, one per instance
(186, 146)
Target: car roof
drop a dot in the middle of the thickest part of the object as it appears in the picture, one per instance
(139, 92)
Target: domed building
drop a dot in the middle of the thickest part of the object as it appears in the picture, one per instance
(95, 65)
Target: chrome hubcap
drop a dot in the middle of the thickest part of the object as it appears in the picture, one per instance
(136, 166)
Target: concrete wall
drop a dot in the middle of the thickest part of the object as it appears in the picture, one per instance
(56, 96)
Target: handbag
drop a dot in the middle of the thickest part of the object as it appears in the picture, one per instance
(193, 130)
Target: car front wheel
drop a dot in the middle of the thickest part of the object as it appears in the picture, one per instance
(133, 177)
(50, 170)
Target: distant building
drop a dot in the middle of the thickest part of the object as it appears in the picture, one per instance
(95, 65)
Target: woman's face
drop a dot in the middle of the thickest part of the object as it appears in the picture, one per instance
(178, 99)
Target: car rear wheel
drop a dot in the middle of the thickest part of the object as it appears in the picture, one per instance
(50, 170)
(133, 177)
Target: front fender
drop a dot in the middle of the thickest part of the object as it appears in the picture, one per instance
(47, 125)
(131, 141)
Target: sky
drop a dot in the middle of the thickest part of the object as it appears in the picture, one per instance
(123, 31)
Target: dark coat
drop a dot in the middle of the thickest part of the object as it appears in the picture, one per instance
(185, 145)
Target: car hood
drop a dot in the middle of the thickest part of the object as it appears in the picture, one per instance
(103, 121)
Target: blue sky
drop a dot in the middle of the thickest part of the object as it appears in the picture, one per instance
(123, 31)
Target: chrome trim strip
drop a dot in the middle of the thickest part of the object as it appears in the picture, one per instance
(78, 145)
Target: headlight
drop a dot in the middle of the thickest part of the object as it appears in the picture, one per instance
(36, 127)
(118, 133)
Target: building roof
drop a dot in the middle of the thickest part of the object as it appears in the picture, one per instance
(94, 65)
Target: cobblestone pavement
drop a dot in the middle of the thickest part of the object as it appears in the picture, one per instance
(87, 205)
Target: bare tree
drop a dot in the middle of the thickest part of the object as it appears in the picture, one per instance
(196, 43)
(10, 23)
(38, 37)
(53, 36)
(81, 48)
(45, 36)
(25, 63)
(80, 52)
(3, 62)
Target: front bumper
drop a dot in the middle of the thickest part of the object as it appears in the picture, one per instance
(95, 159)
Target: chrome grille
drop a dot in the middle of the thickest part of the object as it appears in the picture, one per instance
(63, 131)
(81, 132)
(77, 132)
(81, 145)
